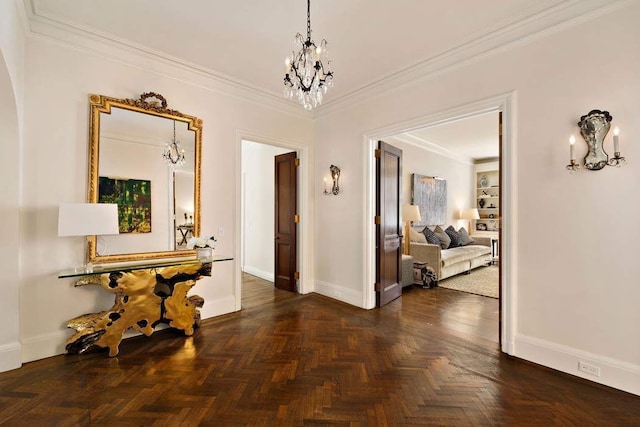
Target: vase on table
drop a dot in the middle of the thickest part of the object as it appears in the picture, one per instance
(204, 253)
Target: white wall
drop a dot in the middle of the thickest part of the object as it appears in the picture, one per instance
(457, 173)
(258, 207)
(11, 116)
(58, 82)
(575, 288)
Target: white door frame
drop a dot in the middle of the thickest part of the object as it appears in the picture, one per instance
(304, 226)
(508, 257)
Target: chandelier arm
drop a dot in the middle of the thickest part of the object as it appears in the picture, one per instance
(322, 77)
(300, 80)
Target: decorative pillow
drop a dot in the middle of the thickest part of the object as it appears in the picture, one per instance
(444, 238)
(455, 237)
(431, 236)
(464, 237)
(415, 236)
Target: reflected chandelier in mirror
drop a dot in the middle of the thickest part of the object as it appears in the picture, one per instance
(128, 139)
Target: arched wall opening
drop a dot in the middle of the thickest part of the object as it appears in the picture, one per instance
(10, 347)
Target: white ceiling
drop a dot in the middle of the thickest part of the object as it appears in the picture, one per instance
(247, 40)
(474, 137)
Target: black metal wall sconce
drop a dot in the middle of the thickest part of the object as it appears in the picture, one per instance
(335, 176)
(593, 129)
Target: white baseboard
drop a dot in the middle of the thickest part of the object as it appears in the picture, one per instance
(266, 275)
(10, 356)
(44, 345)
(218, 307)
(350, 296)
(613, 373)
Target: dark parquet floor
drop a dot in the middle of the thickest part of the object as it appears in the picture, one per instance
(296, 360)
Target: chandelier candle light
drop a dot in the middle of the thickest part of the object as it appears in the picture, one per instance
(306, 76)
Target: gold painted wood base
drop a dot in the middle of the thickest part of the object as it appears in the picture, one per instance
(143, 298)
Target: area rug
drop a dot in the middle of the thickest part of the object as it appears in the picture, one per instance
(481, 281)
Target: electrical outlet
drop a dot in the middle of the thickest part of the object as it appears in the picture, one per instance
(589, 369)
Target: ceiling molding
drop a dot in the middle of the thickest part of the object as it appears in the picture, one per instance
(486, 160)
(107, 46)
(432, 147)
(550, 20)
(21, 6)
(544, 23)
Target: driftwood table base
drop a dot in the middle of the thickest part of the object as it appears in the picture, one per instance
(143, 298)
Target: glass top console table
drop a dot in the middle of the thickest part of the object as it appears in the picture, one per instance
(146, 294)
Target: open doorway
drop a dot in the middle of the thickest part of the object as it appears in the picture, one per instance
(457, 235)
(258, 220)
(507, 257)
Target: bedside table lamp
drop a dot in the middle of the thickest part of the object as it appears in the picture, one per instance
(87, 219)
(410, 213)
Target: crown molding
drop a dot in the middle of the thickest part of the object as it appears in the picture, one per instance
(542, 24)
(555, 18)
(23, 13)
(93, 42)
(432, 147)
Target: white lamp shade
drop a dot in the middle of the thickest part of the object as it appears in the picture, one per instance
(87, 219)
(469, 214)
(411, 213)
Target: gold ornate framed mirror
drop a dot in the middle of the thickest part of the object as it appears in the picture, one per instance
(146, 158)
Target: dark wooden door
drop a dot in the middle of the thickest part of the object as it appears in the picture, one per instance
(286, 202)
(388, 224)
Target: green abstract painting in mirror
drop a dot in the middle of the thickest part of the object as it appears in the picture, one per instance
(133, 197)
(128, 165)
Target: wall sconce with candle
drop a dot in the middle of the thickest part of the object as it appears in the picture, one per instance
(593, 129)
(335, 176)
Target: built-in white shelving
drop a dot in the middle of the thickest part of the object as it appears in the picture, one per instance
(487, 199)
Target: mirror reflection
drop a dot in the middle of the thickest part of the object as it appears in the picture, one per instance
(148, 164)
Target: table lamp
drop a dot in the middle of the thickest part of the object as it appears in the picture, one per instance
(410, 213)
(469, 214)
(87, 219)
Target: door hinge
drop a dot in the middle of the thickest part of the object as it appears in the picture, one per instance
(297, 162)
(296, 218)
(296, 275)
(377, 153)
(377, 287)
(377, 220)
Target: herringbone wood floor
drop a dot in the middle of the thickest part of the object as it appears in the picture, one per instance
(308, 360)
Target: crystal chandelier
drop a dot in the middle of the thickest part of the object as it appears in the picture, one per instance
(306, 76)
(173, 154)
